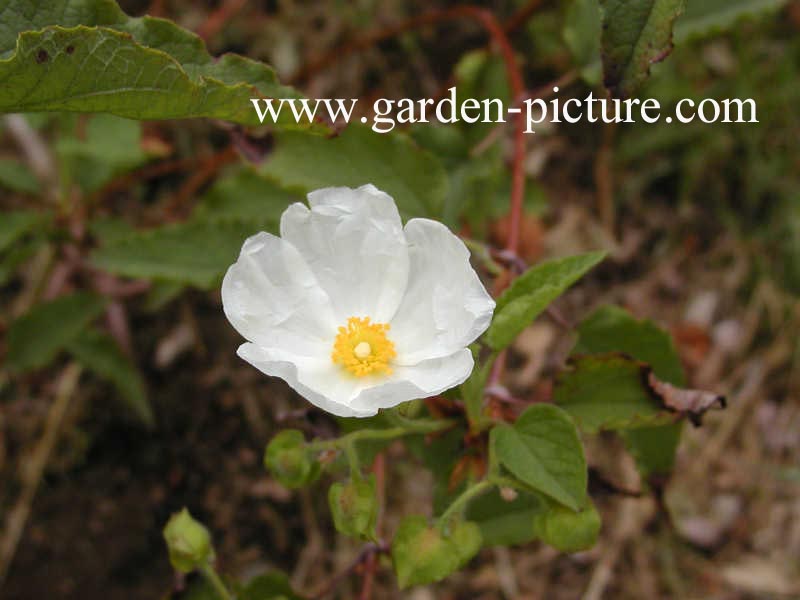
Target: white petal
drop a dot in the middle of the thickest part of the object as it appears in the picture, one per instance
(353, 241)
(271, 297)
(428, 378)
(445, 306)
(318, 380)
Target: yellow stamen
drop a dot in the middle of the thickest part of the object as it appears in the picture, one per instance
(362, 347)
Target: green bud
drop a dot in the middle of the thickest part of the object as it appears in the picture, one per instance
(423, 554)
(354, 506)
(567, 530)
(289, 459)
(188, 542)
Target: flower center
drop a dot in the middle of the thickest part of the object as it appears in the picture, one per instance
(362, 347)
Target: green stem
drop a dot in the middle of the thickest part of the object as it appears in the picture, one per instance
(352, 459)
(460, 503)
(216, 582)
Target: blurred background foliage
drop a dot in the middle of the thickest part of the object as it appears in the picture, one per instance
(115, 234)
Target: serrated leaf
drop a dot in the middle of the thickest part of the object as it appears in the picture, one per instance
(636, 34)
(16, 176)
(582, 29)
(422, 554)
(392, 162)
(707, 17)
(505, 523)
(532, 292)
(88, 56)
(38, 336)
(192, 253)
(100, 354)
(542, 450)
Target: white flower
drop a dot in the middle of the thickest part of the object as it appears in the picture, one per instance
(353, 310)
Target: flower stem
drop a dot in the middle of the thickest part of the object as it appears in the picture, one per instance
(460, 503)
(216, 582)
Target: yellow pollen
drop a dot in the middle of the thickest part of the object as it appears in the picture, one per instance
(362, 347)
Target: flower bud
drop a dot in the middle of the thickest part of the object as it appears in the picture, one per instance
(289, 459)
(354, 506)
(188, 542)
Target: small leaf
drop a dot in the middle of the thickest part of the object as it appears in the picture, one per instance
(289, 459)
(542, 450)
(567, 530)
(37, 336)
(392, 162)
(99, 353)
(532, 292)
(17, 223)
(421, 554)
(707, 17)
(505, 522)
(354, 507)
(582, 28)
(88, 56)
(636, 34)
(271, 586)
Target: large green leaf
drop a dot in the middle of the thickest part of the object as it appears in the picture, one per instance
(99, 353)
(610, 329)
(706, 17)
(636, 34)
(37, 336)
(391, 162)
(532, 292)
(608, 391)
(88, 56)
(542, 450)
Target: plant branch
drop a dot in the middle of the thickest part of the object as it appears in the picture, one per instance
(216, 582)
(460, 503)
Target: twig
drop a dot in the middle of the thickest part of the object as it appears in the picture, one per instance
(366, 552)
(206, 171)
(36, 152)
(32, 473)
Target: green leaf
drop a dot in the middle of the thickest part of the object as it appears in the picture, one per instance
(542, 450)
(15, 176)
(247, 197)
(636, 34)
(605, 392)
(289, 459)
(37, 336)
(354, 507)
(567, 530)
(16, 224)
(582, 28)
(272, 586)
(192, 253)
(88, 56)
(611, 328)
(532, 292)
(391, 162)
(108, 146)
(505, 523)
(422, 554)
(706, 17)
(99, 353)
